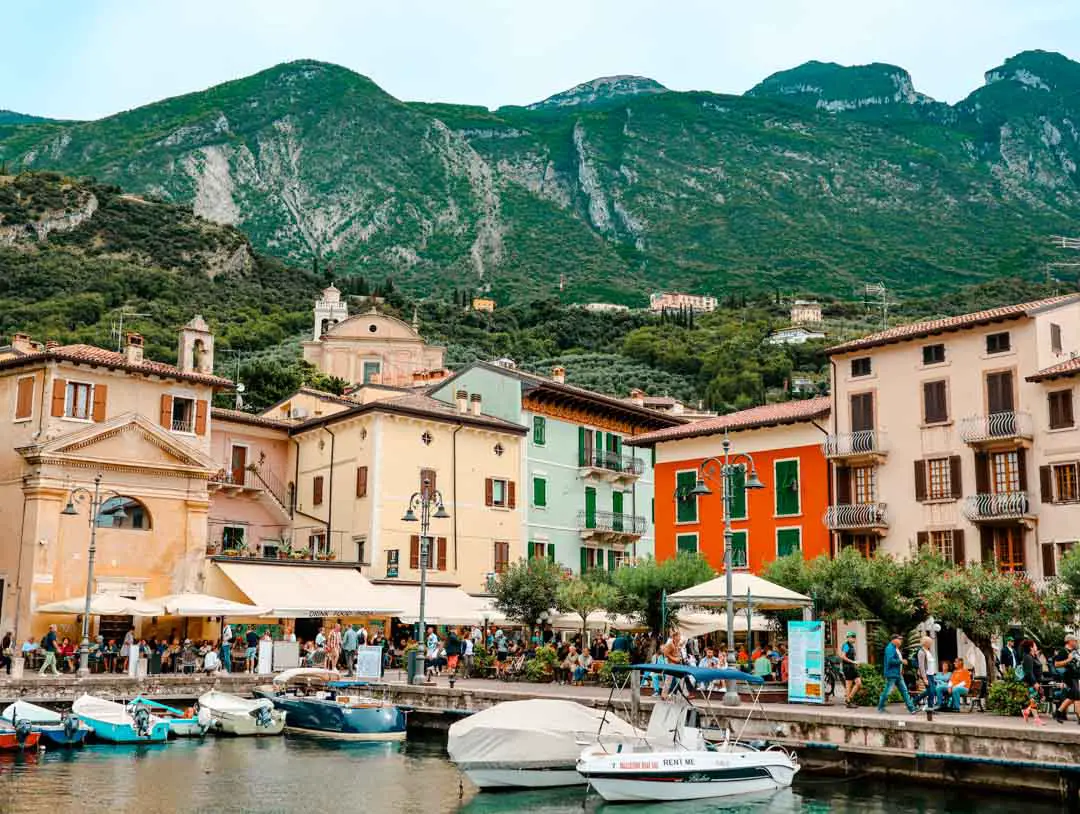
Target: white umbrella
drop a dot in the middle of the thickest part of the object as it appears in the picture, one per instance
(699, 624)
(193, 604)
(763, 595)
(104, 604)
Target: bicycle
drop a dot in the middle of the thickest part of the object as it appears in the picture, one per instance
(834, 675)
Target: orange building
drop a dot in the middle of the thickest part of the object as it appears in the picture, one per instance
(785, 442)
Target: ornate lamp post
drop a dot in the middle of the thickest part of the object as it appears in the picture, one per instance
(423, 502)
(96, 499)
(725, 467)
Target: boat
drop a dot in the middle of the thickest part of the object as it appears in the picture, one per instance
(120, 723)
(532, 744)
(55, 728)
(233, 715)
(322, 703)
(675, 762)
(182, 723)
(18, 737)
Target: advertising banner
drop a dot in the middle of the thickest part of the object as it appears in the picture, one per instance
(806, 662)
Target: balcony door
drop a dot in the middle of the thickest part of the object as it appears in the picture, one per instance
(999, 392)
(1005, 544)
(238, 464)
(590, 507)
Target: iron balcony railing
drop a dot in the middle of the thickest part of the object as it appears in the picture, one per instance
(614, 462)
(856, 516)
(848, 444)
(612, 522)
(179, 425)
(245, 478)
(997, 506)
(995, 426)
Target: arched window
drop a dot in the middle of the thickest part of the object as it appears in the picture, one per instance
(123, 513)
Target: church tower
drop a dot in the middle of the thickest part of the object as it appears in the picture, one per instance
(195, 353)
(329, 311)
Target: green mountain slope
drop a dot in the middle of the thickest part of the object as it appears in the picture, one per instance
(818, 179)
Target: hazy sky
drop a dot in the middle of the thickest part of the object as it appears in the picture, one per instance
(89, 58)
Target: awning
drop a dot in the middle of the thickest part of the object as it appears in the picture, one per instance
(104, 604)
(442, 605)
(701, 623)
(764, 595)
(298, 591)
(597, 620)
(192, 604)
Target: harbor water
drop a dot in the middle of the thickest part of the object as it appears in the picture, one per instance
(290, 774)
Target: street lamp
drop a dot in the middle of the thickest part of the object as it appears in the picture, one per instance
(81, 494)
(423, 502)
(726, 467)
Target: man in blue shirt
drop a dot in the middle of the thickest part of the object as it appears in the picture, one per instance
(894, 666)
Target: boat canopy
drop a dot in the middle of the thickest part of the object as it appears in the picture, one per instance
(701, 675)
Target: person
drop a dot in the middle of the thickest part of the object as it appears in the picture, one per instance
(108, 656)
(211, 661)
(1030, 675)
(894, 677)
(350, 641)
(469, 645)
(957, 687)
(251, 642)
(622, 642)
(125, 650)
(850, 668)
(501, 648)
(431, 652)
(226, 648)
(924, 662)
(673, 654)
(599, 649)
(66, 653)
(48, 647)
(290, 634)
(1068, 660)
(320, 639)
(584, 663)
(333, 646)
(1008, 659)
(710, 661)
(7, 651)
(784, 664)
(762, 666)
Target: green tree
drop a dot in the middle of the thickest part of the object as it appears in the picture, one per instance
(582, 597)
(527, 589)
(639, 590)
(1069, 572)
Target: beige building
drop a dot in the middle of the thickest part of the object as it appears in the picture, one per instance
(674, 300)
(805, 311)
(959, 433)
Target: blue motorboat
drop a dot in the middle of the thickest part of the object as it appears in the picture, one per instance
(120, 723)
(189, 724)
(57, 729)
(321, 703)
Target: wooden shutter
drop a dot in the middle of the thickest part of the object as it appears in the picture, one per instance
(1021, 468)
(999, 392)
(862, 412)
(440, 547)
(24, 400)
(200, 417)
(59, 390)
(958, 546)
(1066, 399)
(101, 392)
(361, 481)
(982, 473)
(582, 459)
(843, 485)
(1046, 491)
(935, 409)
(414, 552)
(955, 477)
(920, 480)
(922, 539)
(427, 491)
(317, 490)
(166, 411)
(539, 492)
(1049, 566)
(511, 497)
(489, 490)
(531, 549)
(551, 551)
(610, 560)
(986, 545)
(738, 488)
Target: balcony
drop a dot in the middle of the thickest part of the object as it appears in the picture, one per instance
(254, 481)
(235, 480)
(991, 507)
(861, 444)
(181, 425)
(857, 517)
(611, 466)
(996, 427)
(612, 526)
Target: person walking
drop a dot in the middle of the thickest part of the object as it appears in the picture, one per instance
(1008, 659)
(924, 663)
(48, 648)
(333, 646)
(453, 651)
(850, 668)
(7, 651)
(894, 675)
(1069, 660)
(350, 641)
(467, 656)
(226, 648)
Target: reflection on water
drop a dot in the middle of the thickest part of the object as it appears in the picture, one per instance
(296, 774)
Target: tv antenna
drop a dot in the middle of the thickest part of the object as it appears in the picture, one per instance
(876, 295)
(1063, 242)
(240, 389)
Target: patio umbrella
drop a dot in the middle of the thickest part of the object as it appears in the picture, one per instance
(104, 604)
(746, 589)
(194, 604)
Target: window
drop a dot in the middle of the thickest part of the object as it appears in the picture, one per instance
(539, 430)
(788, 541)
(371, 370)
(935, 404)
(361, 481)
(318, 544)
(361, 549)
(943, 542)
(860, 367)
(24, 398)
(933, 354)
(539, 492)
(1061, 409)
(940, 482)
(183, 414)
(686, 542)
(499, 492)
(998, 343)
(78, 401)
(739, 555)
(542, 551)
(232, 538)
(592, 559)
(317, 490)
(268, 549)
(865, 544)
(502, 557)
(1008, 548)
(862, 421)
(863, 481)
(786, 483)
(1055, 337)
(432, 546)
(123, 513)
(1065, 483)
(686, 508)
(1005, 469)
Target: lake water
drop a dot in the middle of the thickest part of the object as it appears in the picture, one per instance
(293, 774)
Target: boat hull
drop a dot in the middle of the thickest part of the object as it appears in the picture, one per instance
(56, 736)
(9, 742)
(232, 715)
(185, 728)
(524, 778)
(327, 719)
(125, 733)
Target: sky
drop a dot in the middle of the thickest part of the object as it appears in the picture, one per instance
(85, 59)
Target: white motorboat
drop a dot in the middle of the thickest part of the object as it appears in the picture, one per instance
(120, 723)
(532, 744)
(675, 762)
(233, 715)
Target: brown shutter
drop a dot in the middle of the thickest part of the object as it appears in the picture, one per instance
(414, 552)
(934, 406)
(511, 498)
(441, 548)
(361, 481)
(920, 481)
(982, 473)
(1021, 467)
(956, 483)
(59, 389)
(999, 392)
(101, 393)
(316, 490)
(488, 492)
(958, 546)
(200, 417)
(1067, 408)
(922, 539)
(1054, 403)
(166, 411)
(986, 544)
(862, 412)
(1046, 491)
(1049, 566)
(843, 485)
(24, 400)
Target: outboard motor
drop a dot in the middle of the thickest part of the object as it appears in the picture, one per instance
(262, 716)
(206, 720)
(23, 728)
(141, 718)
(71, 726)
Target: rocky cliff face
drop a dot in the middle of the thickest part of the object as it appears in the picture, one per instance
(606, 89)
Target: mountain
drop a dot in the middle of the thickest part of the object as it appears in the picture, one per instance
(11, 117)
(818, 179)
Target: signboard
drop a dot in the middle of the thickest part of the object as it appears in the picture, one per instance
(392, 563)
(264, 664)
(806, 662)
(369, 662)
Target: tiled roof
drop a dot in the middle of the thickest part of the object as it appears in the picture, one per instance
(416, 404)
(1070, 367)
(88, 354)
(223, 414)
(768, 415)
(916, 330)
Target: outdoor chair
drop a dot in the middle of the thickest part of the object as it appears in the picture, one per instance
(974, 699)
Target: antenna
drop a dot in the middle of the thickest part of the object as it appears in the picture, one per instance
(1063, 242)
(881, 293)
(239, 354)
(118, 327)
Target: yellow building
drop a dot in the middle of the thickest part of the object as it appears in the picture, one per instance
(483, 304)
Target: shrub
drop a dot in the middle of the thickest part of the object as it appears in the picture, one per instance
(614, 658)
(541, 666)
(483, 660)
(873, 683)
(1007, 697)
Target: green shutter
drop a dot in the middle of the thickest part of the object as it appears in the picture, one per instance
(786, 478)
(738, 549)
(584, 559)
(551, 551)
(610, 560)
(738, 496)
(686, 509)
(539, 492)
(532, 550)
(686, 542)
(652, 456)
(788, 541)
(582, 459)
(590, 507)
(539, 430)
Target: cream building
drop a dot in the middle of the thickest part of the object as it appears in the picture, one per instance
(959, 433)
(675, 300)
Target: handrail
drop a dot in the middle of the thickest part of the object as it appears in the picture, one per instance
(993, 426)
(611, 521)
(996, 505)
(860, 442)
(856, 516)
(614, 462)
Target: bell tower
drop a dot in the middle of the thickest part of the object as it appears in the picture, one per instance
(329, 311)
(195, 353)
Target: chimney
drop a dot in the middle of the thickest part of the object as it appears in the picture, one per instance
(474, 404)
(558, 373)
(133, 353)
(51, 344)
(637, 395)
(462, 401)
(21, 342)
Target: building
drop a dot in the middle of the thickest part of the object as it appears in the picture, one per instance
(370, 347)
(784, 517)
(674, 301)
(483, 304)
(74, 412)
(958, 433)
(605, 307)
(668, 404)
(589, 498)
(794, 336)
(805, 312)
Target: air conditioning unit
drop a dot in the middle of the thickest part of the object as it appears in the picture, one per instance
(298, 412)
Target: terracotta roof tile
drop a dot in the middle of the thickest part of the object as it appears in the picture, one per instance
(768, 415)
(1069, 367)
(223, 414)
(916, 330)
(417, 404)
(88, 354)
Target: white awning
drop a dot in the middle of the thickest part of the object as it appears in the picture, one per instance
(104, 604)
(701, 623)
(193, 604)
(442, 605)
(298, 591)
(764, 595)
